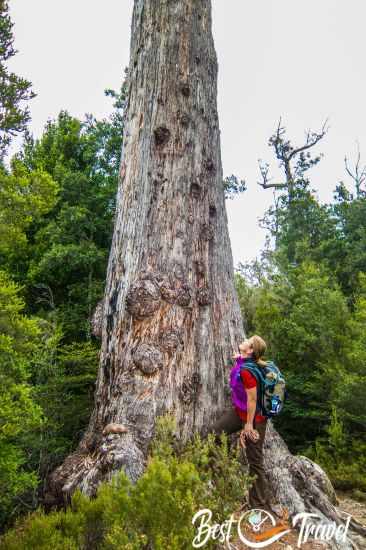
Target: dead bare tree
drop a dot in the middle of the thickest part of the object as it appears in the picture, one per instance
(357, 173)
(294, 160)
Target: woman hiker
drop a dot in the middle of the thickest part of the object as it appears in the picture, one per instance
(243, 416)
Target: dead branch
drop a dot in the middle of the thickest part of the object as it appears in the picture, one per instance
(359, 174)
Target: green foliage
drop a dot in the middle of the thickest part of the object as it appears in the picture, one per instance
(347, 258)
(25, 196)
(57, 203)
(302, 314)
(220, 467)
(232, 186)
(156, 511)
(66, 262)
(14, 90)
(359, 495)
(306, 297)
(343, 457)
(349, 396)
(247, 296)
(45, 403)
(64, 382)
(19, 412)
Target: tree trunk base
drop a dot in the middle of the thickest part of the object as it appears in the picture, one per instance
(299, 485)
(295, 483)
(85, 471)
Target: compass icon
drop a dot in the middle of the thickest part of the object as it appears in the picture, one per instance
(257, 517)
(261, 528)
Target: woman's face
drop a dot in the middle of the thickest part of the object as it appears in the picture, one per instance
(245, 347)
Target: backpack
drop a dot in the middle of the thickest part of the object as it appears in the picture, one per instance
(272, 387)
(271, 393)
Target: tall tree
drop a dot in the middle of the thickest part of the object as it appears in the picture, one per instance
(14, 90)
(171, 314)
(171, 317)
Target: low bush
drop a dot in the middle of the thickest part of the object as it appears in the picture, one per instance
(156, 512)
(341, 456)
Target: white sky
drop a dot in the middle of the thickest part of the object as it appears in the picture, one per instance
(303, 61)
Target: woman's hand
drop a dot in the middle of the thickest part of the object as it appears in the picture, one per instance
(235, 355)
(248, 432)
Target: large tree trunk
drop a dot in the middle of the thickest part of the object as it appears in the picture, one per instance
(171, 318)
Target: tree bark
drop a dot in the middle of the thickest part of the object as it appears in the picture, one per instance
(171, 318)
(299, 485)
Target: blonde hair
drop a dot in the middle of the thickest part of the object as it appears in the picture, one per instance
(259, 349)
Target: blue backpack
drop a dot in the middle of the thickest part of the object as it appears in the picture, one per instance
(272, 387)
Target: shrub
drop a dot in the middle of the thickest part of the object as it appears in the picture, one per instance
(157, 510)
(343, 458)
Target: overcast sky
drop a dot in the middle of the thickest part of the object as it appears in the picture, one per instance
(303, 61)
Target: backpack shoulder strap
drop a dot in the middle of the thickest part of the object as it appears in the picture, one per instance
(255, 370)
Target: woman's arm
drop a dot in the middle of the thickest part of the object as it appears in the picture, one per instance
(249, 430)
(252, 404)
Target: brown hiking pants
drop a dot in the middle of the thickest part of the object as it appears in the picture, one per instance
(229, 423)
